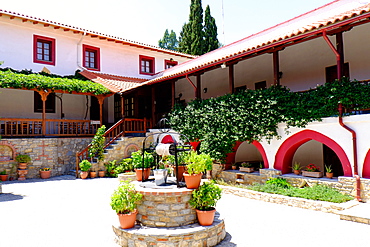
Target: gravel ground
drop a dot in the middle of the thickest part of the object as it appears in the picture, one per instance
(63, 211)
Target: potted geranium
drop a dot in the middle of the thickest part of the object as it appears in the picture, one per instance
(204, 200)
(142, 162)
(124, 201)
(45, 172)
(312, 170)
(196, 164)
(85, 166)
(246, 167)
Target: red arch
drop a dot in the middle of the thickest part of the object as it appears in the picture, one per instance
(284, 156)
(259, 148)
(366, 168)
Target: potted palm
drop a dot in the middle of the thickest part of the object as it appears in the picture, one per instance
(196, 165)
(329, 171)
(85, 165)
(296, 168)
(204, 200)
(142, 162)
(124, 201)
(22, 160)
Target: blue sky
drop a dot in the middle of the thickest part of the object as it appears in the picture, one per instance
(146, 20)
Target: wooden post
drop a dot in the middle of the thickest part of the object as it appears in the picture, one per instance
(173, 93)
(340, 62)
(275, 57)
(199, 85)
(231, 78)
(101, 101)
(153, 105)
(122, 106)
(44, 96)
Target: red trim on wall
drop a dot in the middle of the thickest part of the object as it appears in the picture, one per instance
(259, 148)
(169, 62)
(285, 154)
(97, 58)
(52, 49)
(366, 168)
(152, 63)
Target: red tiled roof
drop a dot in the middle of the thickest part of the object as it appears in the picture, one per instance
(74, 29)
(114, 83)
(329, 16)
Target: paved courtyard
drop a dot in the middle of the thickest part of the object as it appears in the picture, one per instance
(63, 211)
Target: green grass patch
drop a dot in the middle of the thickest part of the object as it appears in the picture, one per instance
(316, 192)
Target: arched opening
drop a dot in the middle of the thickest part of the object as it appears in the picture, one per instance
(252, 153)
(319, 154)
(287, 151)
(366, 168)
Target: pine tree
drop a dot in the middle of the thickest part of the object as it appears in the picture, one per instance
(210, 32)
(169, 41)
(195, 38)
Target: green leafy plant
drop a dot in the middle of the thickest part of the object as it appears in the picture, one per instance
(18, 80)
(111, 168)
(198, 163)
(246, 164)
(255, 114)
(328, 169)
(280, 182)
(296, 166)
(126, 165)
(96, 148)
(45, 169)
(125, 198)
(85, 165)
(206, 196)
(137, 159)
(3, 173)
(23, 158)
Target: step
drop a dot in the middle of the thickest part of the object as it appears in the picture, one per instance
(359, 213)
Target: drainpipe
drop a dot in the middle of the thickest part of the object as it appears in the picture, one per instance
(354, 141)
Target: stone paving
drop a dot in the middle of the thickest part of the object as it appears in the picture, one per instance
(63, 211)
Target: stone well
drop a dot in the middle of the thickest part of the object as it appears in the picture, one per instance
(165, 218)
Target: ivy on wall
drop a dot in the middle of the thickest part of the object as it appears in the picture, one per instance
(11, 79)
(255, 114)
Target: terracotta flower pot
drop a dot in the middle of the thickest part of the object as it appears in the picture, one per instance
(181, 169)
(92, 174)
(101, 174)
(45, 174)
(139, 174)
(84, 175)
(297, 172)
(127, 221)
(329, 175)
(192, 181)
(22, 166)
(3, 177)
(22, 174)
(205, 218)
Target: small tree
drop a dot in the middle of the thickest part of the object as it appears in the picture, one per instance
(169, 41)
(97, 144)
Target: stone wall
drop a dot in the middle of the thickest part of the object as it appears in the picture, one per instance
(57, 153)
(346, 185)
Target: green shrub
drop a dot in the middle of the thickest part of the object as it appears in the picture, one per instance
(280, 182)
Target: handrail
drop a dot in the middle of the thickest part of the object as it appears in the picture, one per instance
(124, 125)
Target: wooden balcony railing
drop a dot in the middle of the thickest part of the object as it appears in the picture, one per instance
(121, 128)
(17, 127)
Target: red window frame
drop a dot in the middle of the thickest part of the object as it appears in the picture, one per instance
(43, 51)
(149, 64)
(169, 63)
(96, 57)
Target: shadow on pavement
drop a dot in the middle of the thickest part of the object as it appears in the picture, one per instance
(37, 180)
(4, 197)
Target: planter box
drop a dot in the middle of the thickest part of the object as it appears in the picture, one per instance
(312, 174)
(246, 169)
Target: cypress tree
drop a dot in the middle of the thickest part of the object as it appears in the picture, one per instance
(210, 32)
(169, 41)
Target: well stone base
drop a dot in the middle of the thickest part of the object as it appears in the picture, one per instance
(193, 235)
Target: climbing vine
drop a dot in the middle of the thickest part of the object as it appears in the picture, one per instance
(255, 114)
(11, 79)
